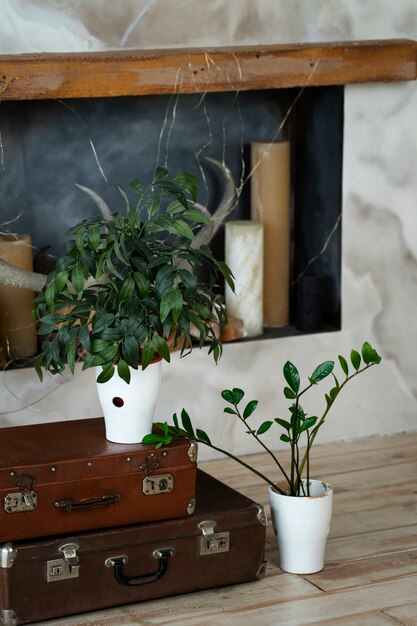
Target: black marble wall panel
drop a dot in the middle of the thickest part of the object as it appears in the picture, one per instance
(49, 146)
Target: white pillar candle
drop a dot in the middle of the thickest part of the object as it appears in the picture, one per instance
(270, 205)
(17, 330)
(244, 256)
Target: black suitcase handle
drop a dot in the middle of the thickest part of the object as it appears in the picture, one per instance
(117, 563)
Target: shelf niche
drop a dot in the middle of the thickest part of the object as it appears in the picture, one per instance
(236, 95)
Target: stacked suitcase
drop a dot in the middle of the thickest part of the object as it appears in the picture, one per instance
(111, 524)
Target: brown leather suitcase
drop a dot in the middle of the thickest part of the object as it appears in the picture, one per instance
(64, 477)
(222, 543)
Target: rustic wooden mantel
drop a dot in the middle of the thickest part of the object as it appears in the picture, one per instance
(135, 72)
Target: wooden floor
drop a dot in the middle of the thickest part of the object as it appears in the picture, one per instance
(370, 575)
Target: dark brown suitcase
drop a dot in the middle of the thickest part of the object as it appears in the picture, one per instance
(222, 543)
(65, 477)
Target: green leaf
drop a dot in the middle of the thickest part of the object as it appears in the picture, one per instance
(334, 392)
(171, 301)
(79, 239)
(186, 423)
(227, 395)
(367, 353)
(142, 283)
(250, 408)
(289, 393)
(355, 358)
(292, 376)
(125, 198)
(124, 371)
(99, 345)
(229, 410)
(263, 428)
(308, 423)
(285, 438)
(106, 374)
(38, 367)
(112, 269)
(283, 423)
(203, 437)
(344, 365)
(321, 371)
(182, 228)
(50, 296)
(126, 290)
(237, 395)
(148, 352)
(100, 266)
(193, 215)
(94, 236)
(162, 347)
(71, 356)
(77, 279)
(60, 281)
(227, 273)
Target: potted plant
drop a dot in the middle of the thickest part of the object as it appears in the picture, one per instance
(125, 290)
(300, 505)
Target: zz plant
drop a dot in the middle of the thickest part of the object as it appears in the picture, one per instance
(126, 285)
(299, 425)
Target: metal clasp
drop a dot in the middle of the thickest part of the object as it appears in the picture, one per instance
(26, 499)
(65, 568)
(69, 551)
(150, 464)
(211, 542)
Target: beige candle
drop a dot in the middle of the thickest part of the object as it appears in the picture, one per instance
(17, 330)
(270, 205)
(244, 256)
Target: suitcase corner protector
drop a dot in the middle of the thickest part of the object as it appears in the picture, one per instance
(9, 618)
(8, 555)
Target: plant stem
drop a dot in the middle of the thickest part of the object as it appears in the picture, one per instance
(308, 465)
(272, 455)
(323, 417)
(249, 467)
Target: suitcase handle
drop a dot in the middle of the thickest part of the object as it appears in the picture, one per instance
(162, 554)
(68, 504)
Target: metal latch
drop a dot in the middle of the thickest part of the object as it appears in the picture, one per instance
(211, 542)
(26, 499)
(20, 501)
(65, 568)
(160, 483)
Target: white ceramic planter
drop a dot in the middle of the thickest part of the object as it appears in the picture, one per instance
(301, 525)
(128, 409)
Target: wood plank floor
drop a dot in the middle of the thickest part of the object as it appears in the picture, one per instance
(370, 574)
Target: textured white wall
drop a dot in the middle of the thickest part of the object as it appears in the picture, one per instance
(379, 212)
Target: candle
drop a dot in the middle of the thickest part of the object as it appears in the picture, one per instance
(244, 256)
(270, 205)
(17, 330)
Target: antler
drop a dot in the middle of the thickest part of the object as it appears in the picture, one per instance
(16, 277)
(226, 206)
(24, 279)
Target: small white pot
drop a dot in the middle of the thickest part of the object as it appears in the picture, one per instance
(301, 525)
(128, 409)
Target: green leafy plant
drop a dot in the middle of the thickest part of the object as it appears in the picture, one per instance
(298, 425)
(127, 285)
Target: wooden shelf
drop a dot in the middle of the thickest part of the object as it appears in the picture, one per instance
(135, 72)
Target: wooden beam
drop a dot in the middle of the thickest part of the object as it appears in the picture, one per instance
(134, 72)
